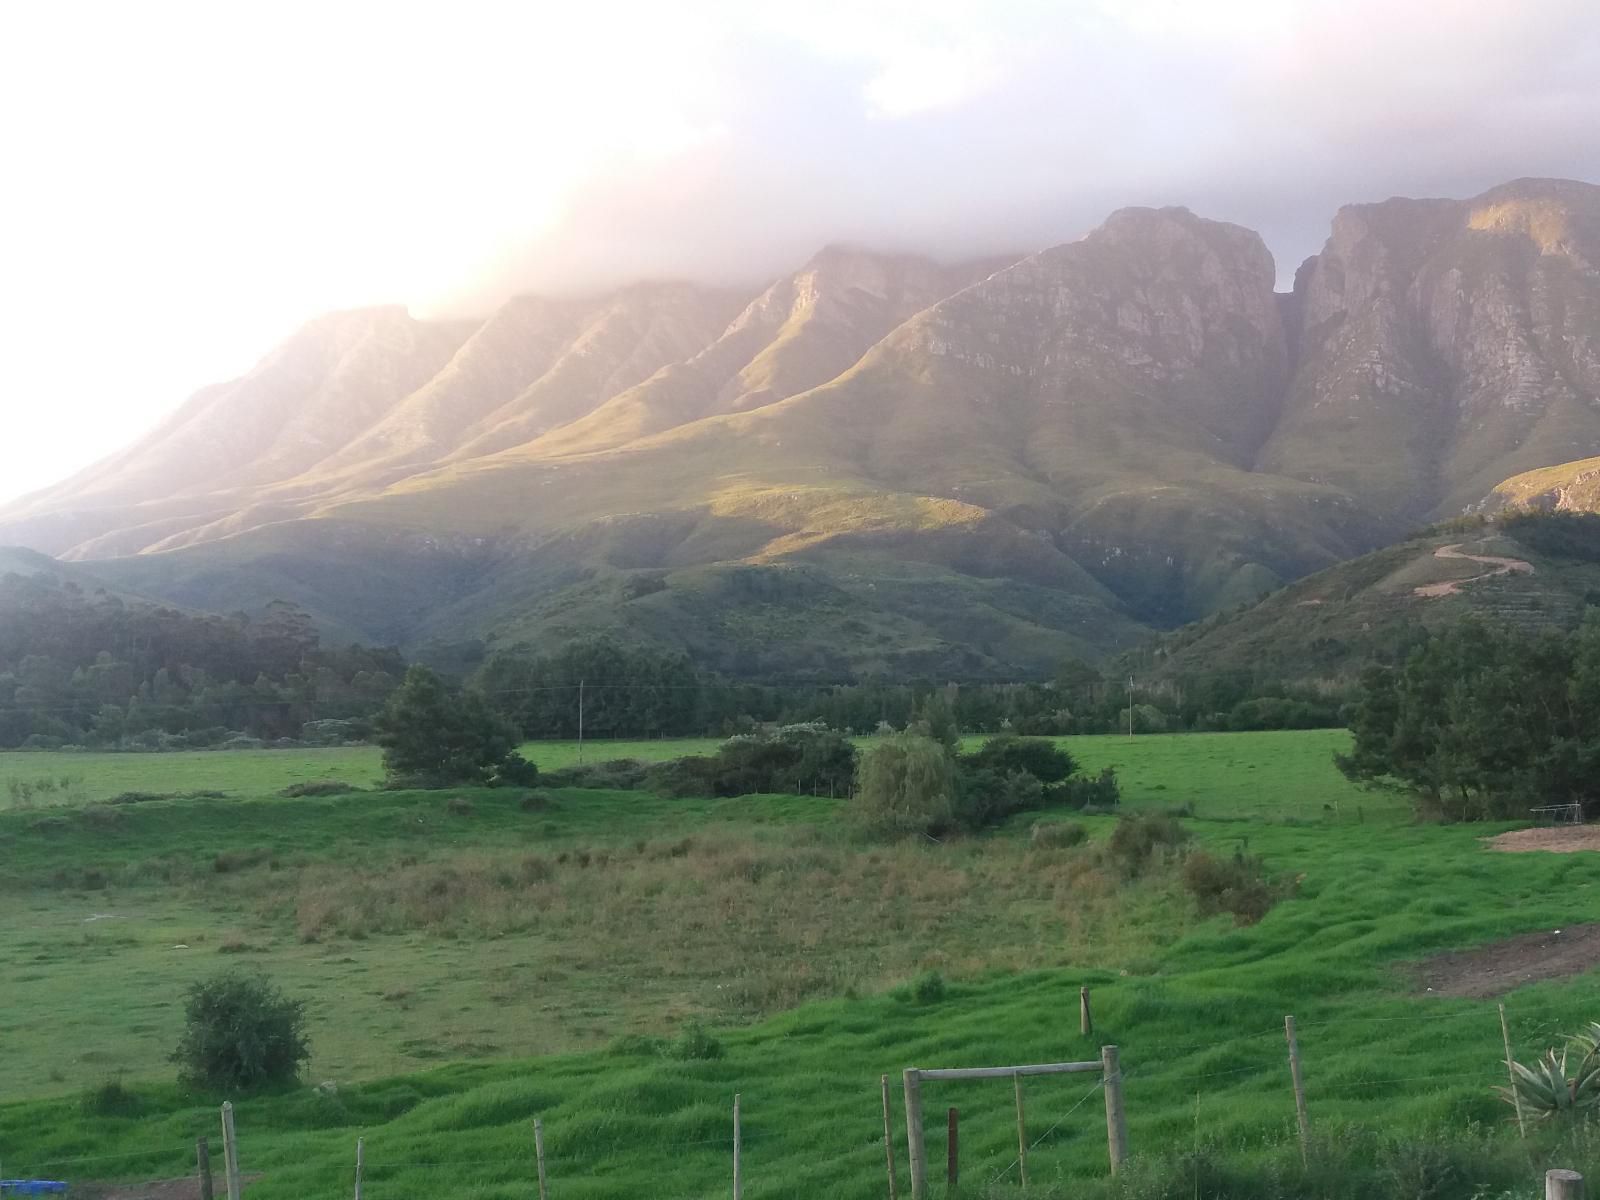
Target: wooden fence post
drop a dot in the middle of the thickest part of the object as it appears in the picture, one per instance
(1022, 1134)
(202, 1157)
(1085, 1017)
(1295, 1073)
(738, 1185)
(538, 1153)
(888, 1138)
(1563, 1185)
(1116, 1119)
(1516, 1096)
(952, 1152)
(917, 1152)
(230, 1151)
(360, 1156)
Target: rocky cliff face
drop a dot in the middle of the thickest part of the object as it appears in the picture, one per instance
(1133, 419)
(1446, 345)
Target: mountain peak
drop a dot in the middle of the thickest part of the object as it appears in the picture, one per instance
(1133, 420)
(1548, 212)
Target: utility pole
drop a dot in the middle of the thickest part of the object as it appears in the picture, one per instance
(580, 722)
(1130, 705)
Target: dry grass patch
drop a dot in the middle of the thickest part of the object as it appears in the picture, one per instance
(754, 926)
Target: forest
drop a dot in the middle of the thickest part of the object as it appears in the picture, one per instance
(102, 671)
(97, 670)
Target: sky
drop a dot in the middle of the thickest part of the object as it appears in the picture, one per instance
(182, 184)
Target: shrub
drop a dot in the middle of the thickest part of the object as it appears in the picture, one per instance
(694, 1043)
(535, 802)
(1057, 835)
(1147, 718)
(792, 759)
(1562, 1083)
(458, 806)
(146, 797)
(617, 775)
(636, 1045)
(1039, 757)
(907, 787)
(1102, 792)
(1237, 885)
(335, 732)
(928, 988)
(1136, 840)
(240, 1032)
(987, 797)
(691, 775)
(110, 1099)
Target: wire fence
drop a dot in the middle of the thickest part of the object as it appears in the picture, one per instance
(1155, 1071)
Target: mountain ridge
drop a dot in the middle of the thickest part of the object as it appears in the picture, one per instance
(1135, 421)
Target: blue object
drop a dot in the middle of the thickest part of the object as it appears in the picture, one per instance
(31, 1187)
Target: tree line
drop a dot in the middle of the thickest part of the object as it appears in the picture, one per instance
(91, 669)
(96, 670)
(619, 691)
(1484, 722)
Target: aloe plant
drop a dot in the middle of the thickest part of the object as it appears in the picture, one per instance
(1556, 1085)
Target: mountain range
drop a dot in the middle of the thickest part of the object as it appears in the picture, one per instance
(879, 464)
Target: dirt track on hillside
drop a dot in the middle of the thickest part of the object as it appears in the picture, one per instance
(1501, 566)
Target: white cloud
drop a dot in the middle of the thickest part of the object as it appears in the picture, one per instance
(187, 181)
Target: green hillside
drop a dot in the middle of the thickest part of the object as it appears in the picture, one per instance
(1374, 607)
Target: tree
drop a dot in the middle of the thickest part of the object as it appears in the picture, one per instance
(434, 738)
(906, 785)
(1483, 721)
(240, 1032)
(1039, 757)
(936, 719)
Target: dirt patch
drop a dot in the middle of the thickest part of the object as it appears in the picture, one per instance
(1558, 839)
(1497, 565)
(1496, 969)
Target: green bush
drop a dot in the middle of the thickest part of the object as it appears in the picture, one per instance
(1039, 757)
(1100, 792)
(613, 775)
(928, 988)
(988, 797)
(110, 1099)
(240, 1033)
(794, 759)
(695, 1043)
(636, 1045)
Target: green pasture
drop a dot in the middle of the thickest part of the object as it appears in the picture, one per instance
(1222, 775)
(470, 966)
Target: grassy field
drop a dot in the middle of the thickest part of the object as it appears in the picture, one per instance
(469, 966)
(1222, 775)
